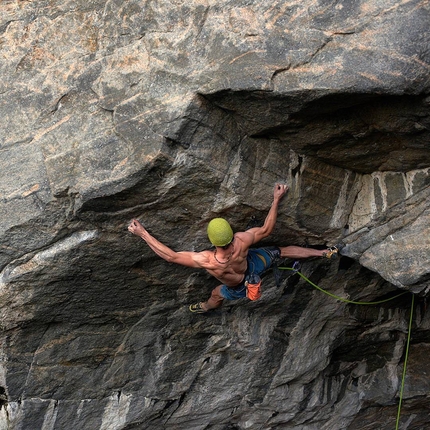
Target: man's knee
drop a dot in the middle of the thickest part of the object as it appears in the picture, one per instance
(216, 293)
(215, 300)
(274, 252)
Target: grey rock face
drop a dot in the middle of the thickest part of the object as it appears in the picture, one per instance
(176, 112)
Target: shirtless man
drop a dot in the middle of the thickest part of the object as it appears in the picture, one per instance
(232, 260)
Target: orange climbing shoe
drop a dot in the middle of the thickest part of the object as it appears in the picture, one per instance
(197, 308)
(332, 252)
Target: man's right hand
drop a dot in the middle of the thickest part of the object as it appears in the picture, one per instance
(279, 191)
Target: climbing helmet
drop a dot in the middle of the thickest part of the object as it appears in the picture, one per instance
(219, 232)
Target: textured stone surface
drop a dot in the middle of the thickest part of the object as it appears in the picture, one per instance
(175, 112)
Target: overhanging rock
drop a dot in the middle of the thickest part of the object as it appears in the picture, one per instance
(174, 113)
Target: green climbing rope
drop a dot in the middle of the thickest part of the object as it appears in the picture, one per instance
(341, 298)
(404, 364)
(372, 303)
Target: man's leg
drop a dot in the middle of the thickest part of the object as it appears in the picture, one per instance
(300, 252)
(215, 300)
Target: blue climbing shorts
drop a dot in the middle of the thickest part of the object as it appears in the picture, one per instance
(259, 260)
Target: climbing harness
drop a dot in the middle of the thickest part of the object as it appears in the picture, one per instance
(295, 269)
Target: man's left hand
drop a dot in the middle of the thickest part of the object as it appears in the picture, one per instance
(136, 228)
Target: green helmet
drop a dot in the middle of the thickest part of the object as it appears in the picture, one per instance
(220, 232)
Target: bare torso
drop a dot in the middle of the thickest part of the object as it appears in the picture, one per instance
(228, 265)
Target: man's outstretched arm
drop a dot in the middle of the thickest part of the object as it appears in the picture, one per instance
(190, 259)
(260, 233)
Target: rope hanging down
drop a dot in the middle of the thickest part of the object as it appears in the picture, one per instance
(295, 270)
(337, 297)
(404, 365)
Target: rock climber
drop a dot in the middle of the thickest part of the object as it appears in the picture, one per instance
(233, 261)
